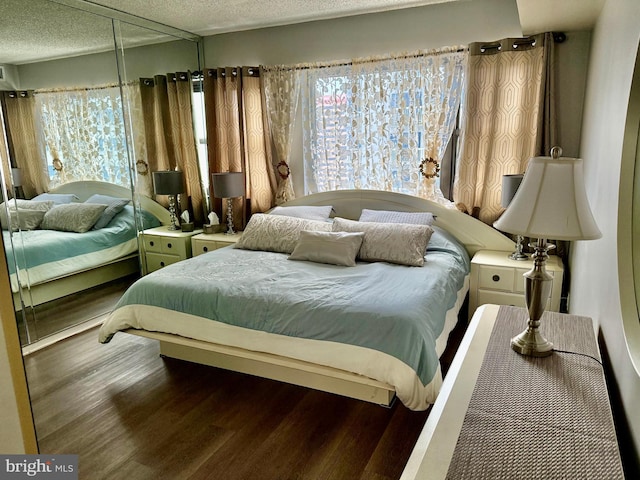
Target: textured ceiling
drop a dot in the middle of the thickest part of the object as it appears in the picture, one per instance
(36, 30)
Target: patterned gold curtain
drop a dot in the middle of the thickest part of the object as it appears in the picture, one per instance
(23, 141)
(281, 88)
(169, 135)
(238, 137)
(508, 117)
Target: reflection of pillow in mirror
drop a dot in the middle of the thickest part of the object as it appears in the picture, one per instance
(28, 220)
(276, 233)
(310, 212)
(57, 198)
(73, 217)
(400, 243)
(389, 216)
(335, 248)
(114, 206)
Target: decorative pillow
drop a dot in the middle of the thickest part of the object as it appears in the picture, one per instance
(57, 198)
(276, 233)
(28, 212)
(114, 206)
(400, 243)
(336, 248)
(389, 216)
(310, 212)
(73, 217)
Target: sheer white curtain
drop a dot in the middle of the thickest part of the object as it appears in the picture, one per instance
(281, 90)
(84, 134)
(381, 123)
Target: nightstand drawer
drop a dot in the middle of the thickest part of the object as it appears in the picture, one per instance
(208, 242)
(169, 245)
(496, 278)
(504, 298)
(203, 246)
(155, 261)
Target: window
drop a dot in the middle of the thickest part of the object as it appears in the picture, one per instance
(370, 125)
(84, 135)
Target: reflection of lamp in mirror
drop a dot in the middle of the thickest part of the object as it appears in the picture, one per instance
(550, 203)
(16, 180)
(169, 182)
(510, 184)
(228, 185)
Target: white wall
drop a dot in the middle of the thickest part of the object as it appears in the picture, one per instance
(434, 26)
(595, 283)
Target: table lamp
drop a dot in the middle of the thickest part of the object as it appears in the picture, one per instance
(171, 183)
(551, 202)
(510, 184)
(228, 185)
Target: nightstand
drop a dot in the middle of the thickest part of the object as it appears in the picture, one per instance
(497, 279)
(163, 247)
(207, 242)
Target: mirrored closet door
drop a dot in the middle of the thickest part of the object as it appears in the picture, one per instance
(79, 132)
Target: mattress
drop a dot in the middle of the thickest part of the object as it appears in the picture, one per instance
(44, 255)
(387, 322)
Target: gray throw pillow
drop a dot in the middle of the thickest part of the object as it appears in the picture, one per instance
(114, 206)
(72, 217)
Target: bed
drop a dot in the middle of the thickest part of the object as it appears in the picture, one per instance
(372, 331)
(49, 264)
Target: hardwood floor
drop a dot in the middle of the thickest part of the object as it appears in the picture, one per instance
(130, 414)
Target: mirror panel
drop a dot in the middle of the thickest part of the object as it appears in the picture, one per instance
(111, 66)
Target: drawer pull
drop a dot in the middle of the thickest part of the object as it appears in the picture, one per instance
(205, 249)
(496, 278)
(151, 243)
(162, 264)
(169, 245)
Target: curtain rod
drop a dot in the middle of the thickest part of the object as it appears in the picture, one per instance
(346, 63)
(83, 89)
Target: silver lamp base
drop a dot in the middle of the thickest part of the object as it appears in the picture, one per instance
(537, 287)
(518, 254)
(230, 230)
(174, 223)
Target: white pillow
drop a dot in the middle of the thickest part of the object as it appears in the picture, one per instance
(276, 233)
(389, 216)
(72, 217)
(399, 243)
(336, 248)
(310, 212)
(29, 213)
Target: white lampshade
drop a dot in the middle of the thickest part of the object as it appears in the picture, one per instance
(16, 177)
(551, 202)
(510, 184)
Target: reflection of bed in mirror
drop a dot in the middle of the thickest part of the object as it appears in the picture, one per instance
(369, 331)
(52, 263)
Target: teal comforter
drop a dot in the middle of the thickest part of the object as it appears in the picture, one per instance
(394, 309)
(38, 247)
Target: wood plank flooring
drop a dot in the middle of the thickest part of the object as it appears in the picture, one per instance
(130, 414)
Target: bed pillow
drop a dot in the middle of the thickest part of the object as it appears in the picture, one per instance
(56, 198)
(72, 217)
(310, 212)
(389, 216)
(114, 206)
(335, 248)
(400, 243)
(276, 233)
(29, 213)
